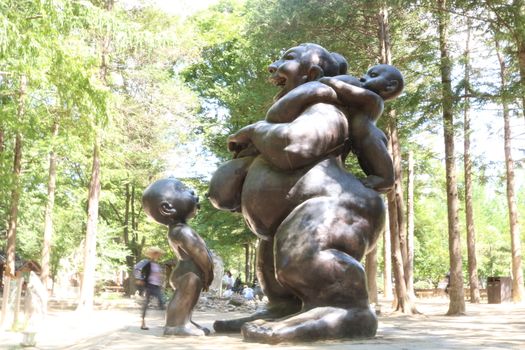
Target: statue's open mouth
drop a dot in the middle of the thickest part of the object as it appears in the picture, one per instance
(280, 82)
(277, 80)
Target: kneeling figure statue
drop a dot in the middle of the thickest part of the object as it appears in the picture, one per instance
(315, 220)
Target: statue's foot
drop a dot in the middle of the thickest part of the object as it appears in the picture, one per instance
(316, 324)
(183, 331)
(234, 326)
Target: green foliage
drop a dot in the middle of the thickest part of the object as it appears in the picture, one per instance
(168, 83)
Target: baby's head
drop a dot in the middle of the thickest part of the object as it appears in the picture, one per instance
(385, 80)
(169, 201)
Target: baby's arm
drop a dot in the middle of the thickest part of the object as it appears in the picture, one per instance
(351, 94)
(291, 105)
(193, 245)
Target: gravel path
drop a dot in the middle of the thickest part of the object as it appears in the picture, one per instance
(496, 326)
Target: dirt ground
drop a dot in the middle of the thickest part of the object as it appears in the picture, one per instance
(494, 326)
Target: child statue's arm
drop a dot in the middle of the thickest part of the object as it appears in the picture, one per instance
(192, 244)
(350, 94)
(291, 105)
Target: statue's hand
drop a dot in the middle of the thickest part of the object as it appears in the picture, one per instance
(241, 141)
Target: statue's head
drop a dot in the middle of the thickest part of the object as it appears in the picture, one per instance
(385, 80)
(169, 201)
(304, 63)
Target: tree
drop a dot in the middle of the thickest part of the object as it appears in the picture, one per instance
(457, 301)
(410, 223)
(467, 166)
(15, 199)
(87, 286)
(403, 298)
(48, 215)
(517, 272)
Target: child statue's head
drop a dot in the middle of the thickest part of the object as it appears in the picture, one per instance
(169, 201)
(385, 80)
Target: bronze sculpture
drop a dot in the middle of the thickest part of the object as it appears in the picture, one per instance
(315, 220)
(170, 202)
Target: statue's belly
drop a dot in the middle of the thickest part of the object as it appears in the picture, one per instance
(265, 199)
(270, 194)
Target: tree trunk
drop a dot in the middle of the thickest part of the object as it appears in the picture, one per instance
(395, 196)
(9, 269)
(467, 164)
(371, 273)
(457, 300)
(410, 225)
(48, 214)
(87, 290)
(130, 259)
(519, 32)
(402, 302)
(254, 261)
(247, 262)
(387, 259)
(517, 272)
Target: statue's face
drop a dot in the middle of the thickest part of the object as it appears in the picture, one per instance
(290, 71)
(382, 80)
(376, 79)
(170, 201)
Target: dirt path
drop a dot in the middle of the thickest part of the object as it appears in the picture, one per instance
(499, 326)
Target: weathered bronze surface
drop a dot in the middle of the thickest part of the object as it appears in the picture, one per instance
(170, 202)
(316, 221)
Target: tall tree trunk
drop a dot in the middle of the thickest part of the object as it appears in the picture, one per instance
(48, 214)
(371, 273)
(130, 259)
(387, 259)
(519, 33)
(395, 196)
(254, 262)
(9, 269)
(457, 300)
(87, 290)
(517, 272)
(467, 164)
(247, 262)
(410, 225)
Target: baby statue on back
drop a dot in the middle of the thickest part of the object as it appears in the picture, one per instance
(170, 202)
(364, 100)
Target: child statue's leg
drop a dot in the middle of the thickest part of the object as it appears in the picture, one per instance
(323, 238)
(370, 145)
(187, 285)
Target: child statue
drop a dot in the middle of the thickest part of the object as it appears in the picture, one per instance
(170, 202)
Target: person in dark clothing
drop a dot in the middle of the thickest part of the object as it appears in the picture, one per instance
(152, 282)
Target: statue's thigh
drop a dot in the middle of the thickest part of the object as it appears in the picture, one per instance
(316, 225)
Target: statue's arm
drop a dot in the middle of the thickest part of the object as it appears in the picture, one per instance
(318, 131)
(290, 106)
(351, 94)
(195, 247)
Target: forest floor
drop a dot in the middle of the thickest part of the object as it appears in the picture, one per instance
(486, 326)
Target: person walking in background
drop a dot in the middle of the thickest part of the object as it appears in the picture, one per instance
(151, 280)
(227, 280)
